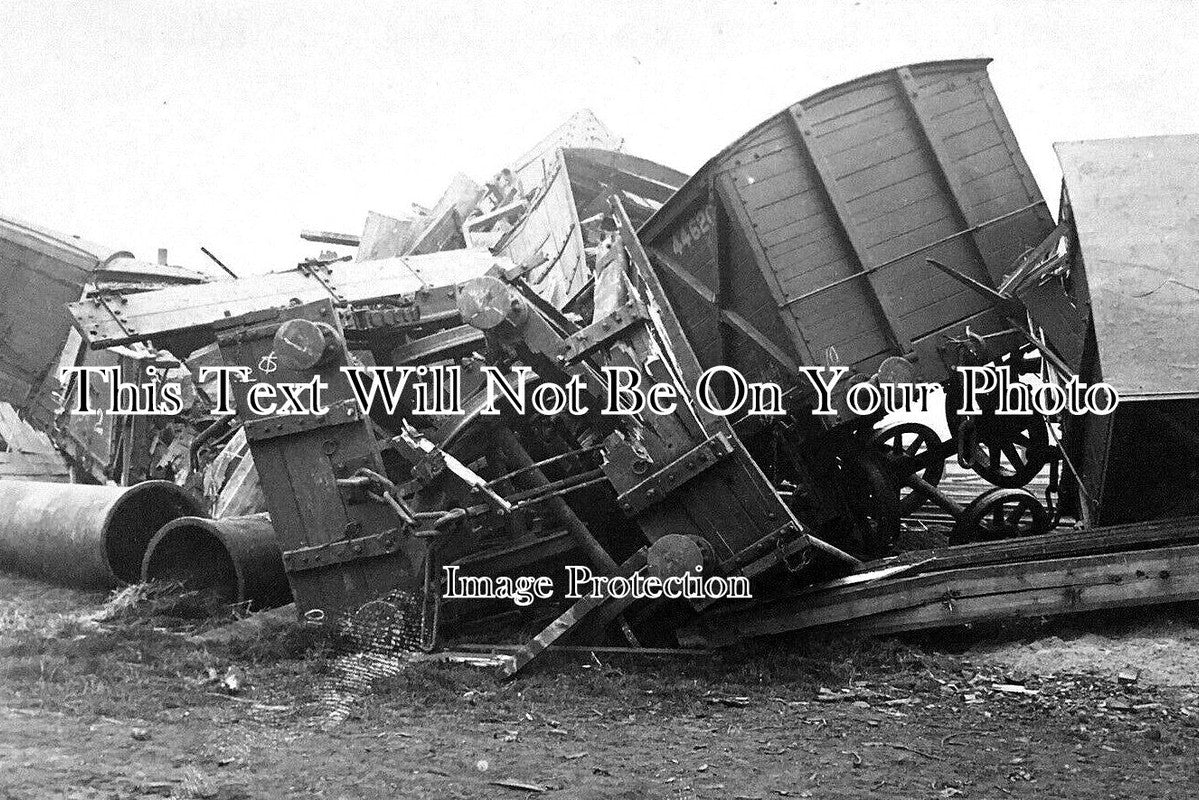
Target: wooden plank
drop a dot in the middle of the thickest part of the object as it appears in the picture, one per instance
(722, 248)
(809, 258)
(384, 237)
(571, 619)
(1005, 128)
(680, 274)
(976, 140)
(872, 180)
(745, 327)
(888, 205)
(329, 237)
(811, 227)
(972, 593)
(730, 200)
(777, 214)
(146, 315)
(459, 198)
(848, 225)
(850, 109)
(817, 274)
(867, 142)
(965, 116)
(951, 174)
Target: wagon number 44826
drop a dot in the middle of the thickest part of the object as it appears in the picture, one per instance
(695, 229)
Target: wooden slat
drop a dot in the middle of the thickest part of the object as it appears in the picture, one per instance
(151, 314)
(734, 208)
(848, 225)
(928, 597)
(574, 617)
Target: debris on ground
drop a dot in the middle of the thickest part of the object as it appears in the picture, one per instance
(772, 502)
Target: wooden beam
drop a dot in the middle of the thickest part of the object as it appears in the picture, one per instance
(935, 145)
(720, 247)
(680, 274)
(329, 237)
(573, 618)
(676, 341)
(732, 319)
(744, 326)
(953, 586)
(730, 201)
(135, 317)
(805, 137)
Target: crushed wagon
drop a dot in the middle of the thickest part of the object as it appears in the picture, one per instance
(887, 228)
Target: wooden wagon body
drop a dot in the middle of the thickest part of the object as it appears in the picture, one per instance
(805, 241)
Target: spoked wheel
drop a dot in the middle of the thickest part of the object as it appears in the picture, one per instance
(873, 501)
(1001, 514)
(906, 442)
(1006, 450)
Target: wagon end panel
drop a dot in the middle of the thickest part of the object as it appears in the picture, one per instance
(777, 200)
(551, 230)
(985, 172)
(841, 198)
(683, 253)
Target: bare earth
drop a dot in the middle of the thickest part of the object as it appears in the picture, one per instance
(128, 707)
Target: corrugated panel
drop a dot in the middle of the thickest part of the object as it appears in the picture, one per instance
(1135, 204)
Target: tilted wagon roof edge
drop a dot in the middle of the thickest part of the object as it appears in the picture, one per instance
(651, 226)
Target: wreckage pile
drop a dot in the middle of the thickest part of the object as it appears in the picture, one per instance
(887, 227)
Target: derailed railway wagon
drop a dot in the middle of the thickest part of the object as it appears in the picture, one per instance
(366, 504)
(906, 205)
(814, 241)
(810, 234)
(1112, 295)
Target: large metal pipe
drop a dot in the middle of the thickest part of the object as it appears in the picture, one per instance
(81, 535)
(231, 560)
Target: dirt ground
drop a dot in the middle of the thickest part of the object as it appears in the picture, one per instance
(129, 706)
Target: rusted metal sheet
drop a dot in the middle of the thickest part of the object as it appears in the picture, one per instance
(832, 207)
(1135, 206)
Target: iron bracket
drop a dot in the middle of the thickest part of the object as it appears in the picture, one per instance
(596, 335)
(657, 486)
(339, 413)
(319, 271)
(340, 552)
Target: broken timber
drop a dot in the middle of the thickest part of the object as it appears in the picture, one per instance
(112, 320)
(1039, 576)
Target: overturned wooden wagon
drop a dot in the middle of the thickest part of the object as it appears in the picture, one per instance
(814, 240)
(805, 241)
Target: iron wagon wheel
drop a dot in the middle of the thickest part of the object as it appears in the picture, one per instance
(1006, 450)
(912, 440)
(1000, 514)
(873, 501)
